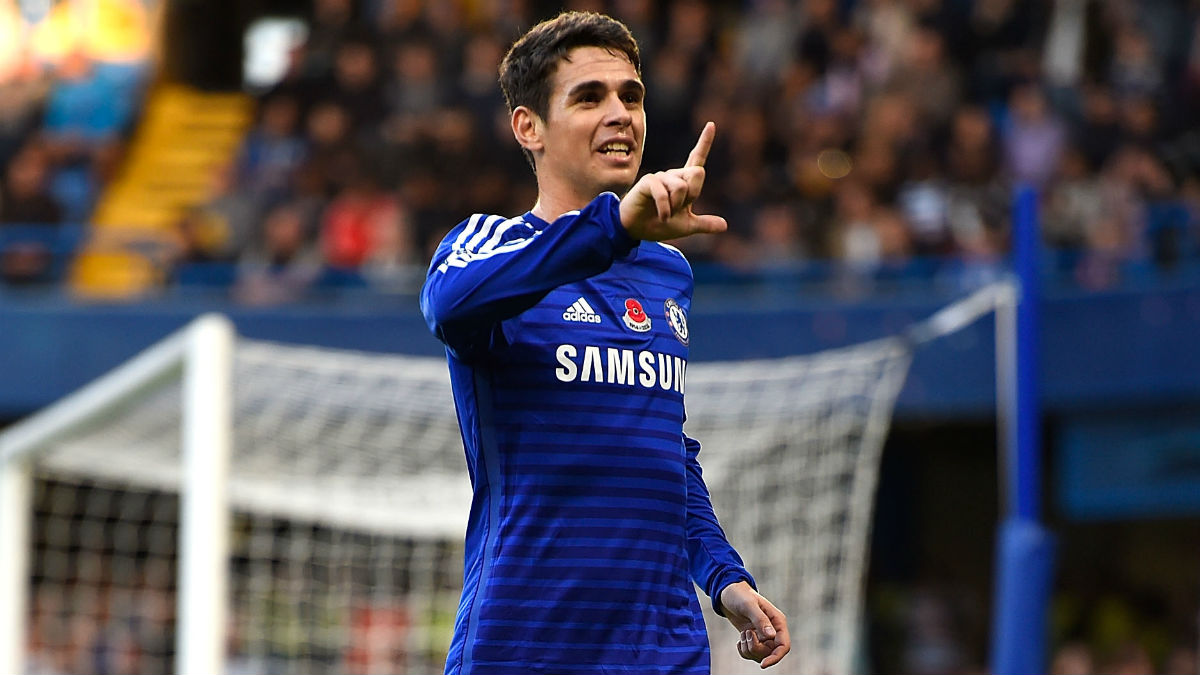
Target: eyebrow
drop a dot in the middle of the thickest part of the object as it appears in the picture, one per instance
(593, 85)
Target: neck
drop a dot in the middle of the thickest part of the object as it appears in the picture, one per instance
(553, 203)
(559, 193)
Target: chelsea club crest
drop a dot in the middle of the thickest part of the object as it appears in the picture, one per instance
(677, 319)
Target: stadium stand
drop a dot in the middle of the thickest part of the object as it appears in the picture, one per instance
(183, 140)
(886, 136)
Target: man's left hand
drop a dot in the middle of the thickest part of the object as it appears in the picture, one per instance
(762, 627)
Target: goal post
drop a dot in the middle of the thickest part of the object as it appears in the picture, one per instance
(16, 483)
(202, 354)
(221, 504)
(204, 523)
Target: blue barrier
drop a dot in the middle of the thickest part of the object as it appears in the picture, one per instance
(1100, 350)
(1024, 581)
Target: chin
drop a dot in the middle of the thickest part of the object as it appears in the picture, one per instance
(618, 189)
(618, 185)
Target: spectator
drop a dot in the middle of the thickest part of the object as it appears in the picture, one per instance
(978, 199)
(403, 20)
(283, 264)
(1139, 120)
(815, 45)
(926, 78)
(971, 154)
(24, 86)
(855, 237)
(416, 94)
(333, 152)
(845, 79)
(356, 84)
(364, 224)
(85, 108)
(1181, 661)
(887, 26)
(669, 97)
(1131, 177)
(1072, 659)
(227, 221)
(1074, 202)
(777, 237)
(764, 40)
(332, 21)
(1098, 132)
(933, 647)
(478, 92)
(28, 211)
(639, 16)
(1034, 139)
(924, 200)
(448, 30)
(273, 149)
(25, 197)
(1135, 71)
(1129, 659)
(690, 29)
(1003, 36)
(201, 257)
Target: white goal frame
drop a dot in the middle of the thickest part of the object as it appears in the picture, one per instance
(203, 352)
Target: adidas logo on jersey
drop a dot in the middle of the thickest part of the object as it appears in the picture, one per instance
(582, 312)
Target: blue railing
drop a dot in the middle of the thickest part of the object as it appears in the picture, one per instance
(49, 251)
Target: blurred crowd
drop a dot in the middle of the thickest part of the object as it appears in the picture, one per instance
(880, 137)
(942, 628)
(71, 81)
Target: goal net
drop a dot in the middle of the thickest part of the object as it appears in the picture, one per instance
(329, 540)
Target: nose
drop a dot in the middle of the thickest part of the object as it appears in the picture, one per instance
(616, 113)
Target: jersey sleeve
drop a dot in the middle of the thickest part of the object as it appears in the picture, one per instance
(714, 562)
(489, 269)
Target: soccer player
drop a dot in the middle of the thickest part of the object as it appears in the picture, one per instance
(567, 339)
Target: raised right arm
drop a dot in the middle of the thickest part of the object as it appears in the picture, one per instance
(489, 269)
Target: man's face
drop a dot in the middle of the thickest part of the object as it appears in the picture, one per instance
(595, 124)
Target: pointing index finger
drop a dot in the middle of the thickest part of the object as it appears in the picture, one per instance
(699, 154)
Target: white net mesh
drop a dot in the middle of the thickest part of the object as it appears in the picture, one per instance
(791, 457)
(350, 499)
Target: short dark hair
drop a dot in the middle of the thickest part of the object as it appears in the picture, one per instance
(532, 60)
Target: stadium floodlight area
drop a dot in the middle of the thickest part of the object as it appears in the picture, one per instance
(226, 505)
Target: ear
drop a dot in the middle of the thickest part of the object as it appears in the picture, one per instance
(527, 128)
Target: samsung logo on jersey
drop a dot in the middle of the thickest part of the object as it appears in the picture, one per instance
(620, 366)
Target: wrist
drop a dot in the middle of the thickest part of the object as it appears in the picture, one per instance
(732, 589)
(627, 217)
(720, 581)
(623, 239)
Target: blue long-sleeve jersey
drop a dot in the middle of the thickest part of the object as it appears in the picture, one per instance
(567, 344)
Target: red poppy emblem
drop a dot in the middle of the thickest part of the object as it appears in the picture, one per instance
(635, 317)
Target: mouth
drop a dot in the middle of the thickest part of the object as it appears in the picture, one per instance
(616, 149)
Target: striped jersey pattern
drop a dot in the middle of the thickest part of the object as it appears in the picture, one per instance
(590, 519)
